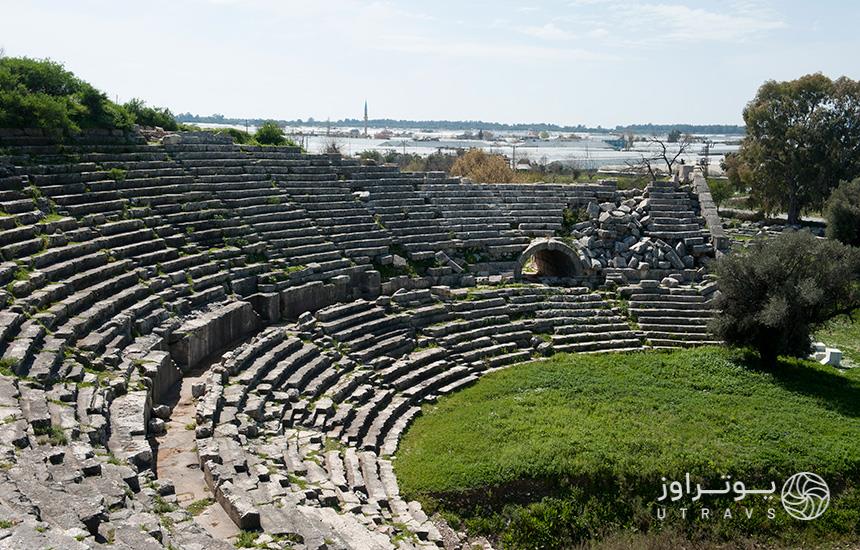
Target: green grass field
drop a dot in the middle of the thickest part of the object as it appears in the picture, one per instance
(573, 448)
(843, 332)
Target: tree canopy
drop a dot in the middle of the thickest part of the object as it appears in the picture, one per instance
(773, 293)
(843, 213)
(802, 140)
(40, 93)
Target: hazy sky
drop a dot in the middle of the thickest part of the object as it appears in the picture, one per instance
(569, 61)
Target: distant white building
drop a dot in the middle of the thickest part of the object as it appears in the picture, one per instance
(524, 165)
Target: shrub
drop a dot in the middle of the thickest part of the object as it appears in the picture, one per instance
(270, 134)
(117, 174)
(151, 116)
(332, 146)
(843, 213)
(370, 154)
(774, 292)
(483, 167)
(246, 539)
(239, 136)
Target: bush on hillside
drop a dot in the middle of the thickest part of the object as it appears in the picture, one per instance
(239, 136)
(42, 94)
(843, 213)
(270, 134)
(151, 116)
(483, 167)
(776, 291)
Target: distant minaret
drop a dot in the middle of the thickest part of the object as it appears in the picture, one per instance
(365, 118)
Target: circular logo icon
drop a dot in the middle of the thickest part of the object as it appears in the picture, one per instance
(805, 496)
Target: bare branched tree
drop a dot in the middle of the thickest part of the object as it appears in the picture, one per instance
(665, 153)
(644, 165)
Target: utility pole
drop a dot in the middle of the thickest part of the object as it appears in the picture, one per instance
(365, 118)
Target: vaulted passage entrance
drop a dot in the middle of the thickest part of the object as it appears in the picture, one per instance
(549, 258)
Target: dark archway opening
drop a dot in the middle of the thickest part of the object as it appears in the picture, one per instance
(549, 258)
(552, 263)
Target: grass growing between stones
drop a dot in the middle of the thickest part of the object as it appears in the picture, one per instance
(552, 453)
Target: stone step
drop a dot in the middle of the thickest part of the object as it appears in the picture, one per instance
(627, 344)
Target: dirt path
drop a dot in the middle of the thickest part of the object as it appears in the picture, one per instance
(177, 459)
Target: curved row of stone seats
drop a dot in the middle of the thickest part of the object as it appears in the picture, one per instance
(673, 217)
(344, 219)
(354, 170)
(394, 200)
(324, 229)
(482, 333)
(365, 331)
(184, 214)
(291, 480)
(61, 288)
(284, 227)
(673, 317)
(141, 184)
(87, 277)
(574, 320)
(304, 178)
(41, 141)
(289, 164)
(537, 210)
(471, 212)
(371, 497)
(264, 432)
(568, 319)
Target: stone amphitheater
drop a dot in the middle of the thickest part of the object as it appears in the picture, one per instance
(299, 309)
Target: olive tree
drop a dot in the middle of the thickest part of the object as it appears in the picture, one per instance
(775, 292)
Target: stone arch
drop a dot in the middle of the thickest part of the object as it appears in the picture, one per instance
(554, 259)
